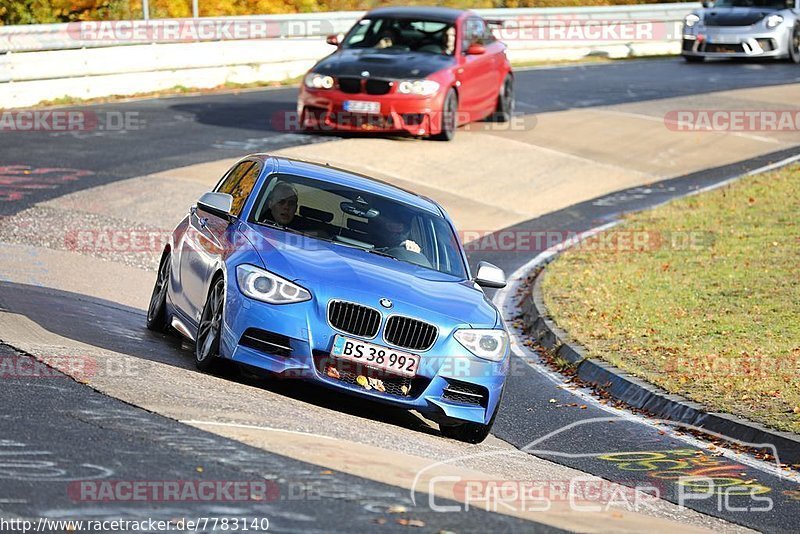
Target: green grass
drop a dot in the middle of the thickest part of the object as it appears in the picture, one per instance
(718, 320)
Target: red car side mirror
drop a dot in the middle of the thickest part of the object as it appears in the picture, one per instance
(332, 40)
(476, 49)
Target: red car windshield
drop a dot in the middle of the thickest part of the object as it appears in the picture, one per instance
(403, 35)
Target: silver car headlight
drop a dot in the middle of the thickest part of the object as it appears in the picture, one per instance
(318, 81)
(487, 344)
(268, 287)
(773, 20)
(690, 20)
(418, 87)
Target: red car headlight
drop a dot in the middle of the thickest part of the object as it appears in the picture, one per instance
(318, 81)
(418, 87)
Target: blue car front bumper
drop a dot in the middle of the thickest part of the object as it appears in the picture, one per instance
(295, 341)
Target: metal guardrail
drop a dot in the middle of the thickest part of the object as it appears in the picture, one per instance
(43, 37)
(97, 59)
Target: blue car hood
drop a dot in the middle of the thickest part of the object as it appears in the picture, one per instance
(331, 270)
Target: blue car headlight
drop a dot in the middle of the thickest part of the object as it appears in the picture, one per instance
(268, 287)
(487, 344)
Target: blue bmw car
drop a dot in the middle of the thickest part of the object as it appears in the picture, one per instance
(317, 273)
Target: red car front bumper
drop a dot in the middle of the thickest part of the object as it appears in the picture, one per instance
(323, 110)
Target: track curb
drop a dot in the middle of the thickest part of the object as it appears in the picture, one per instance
(637, 393)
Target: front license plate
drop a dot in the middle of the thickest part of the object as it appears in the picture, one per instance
(723, 39)
(362, 106)
(390, 360)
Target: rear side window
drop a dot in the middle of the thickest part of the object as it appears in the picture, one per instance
(239, 183)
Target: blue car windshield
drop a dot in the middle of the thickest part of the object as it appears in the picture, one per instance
(402, 35)
(354, 218)
(773, 4)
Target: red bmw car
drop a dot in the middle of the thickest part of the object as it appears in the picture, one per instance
(416, 70)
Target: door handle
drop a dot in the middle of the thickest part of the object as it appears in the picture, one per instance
(204, 223)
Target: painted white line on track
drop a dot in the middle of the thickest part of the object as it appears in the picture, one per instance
(663, 120)
(508, 310)
(254, 427)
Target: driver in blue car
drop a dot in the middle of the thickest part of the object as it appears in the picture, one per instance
(394, 232)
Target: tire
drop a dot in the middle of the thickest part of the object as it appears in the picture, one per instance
(505, 101)
(794, 45)
(157, 310)
(694, 59)
(471, 432)
(449, 117)
(209, 332)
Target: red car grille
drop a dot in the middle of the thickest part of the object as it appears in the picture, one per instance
(363, 121)
(350, 85)
(360, 85)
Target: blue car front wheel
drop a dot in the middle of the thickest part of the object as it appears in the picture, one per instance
(206, 352)
(470, 432)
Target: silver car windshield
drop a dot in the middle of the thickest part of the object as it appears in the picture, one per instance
(772, 4)
(354, 218)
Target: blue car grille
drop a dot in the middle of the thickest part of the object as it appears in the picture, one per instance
(465, 393)
(355, 319)
(348, 372)
(268, 342)
(409, 333)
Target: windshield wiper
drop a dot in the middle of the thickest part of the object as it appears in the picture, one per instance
(379, 252)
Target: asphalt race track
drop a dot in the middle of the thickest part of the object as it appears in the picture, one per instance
(88, 434)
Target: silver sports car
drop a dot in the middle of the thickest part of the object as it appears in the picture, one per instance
(743, 28)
